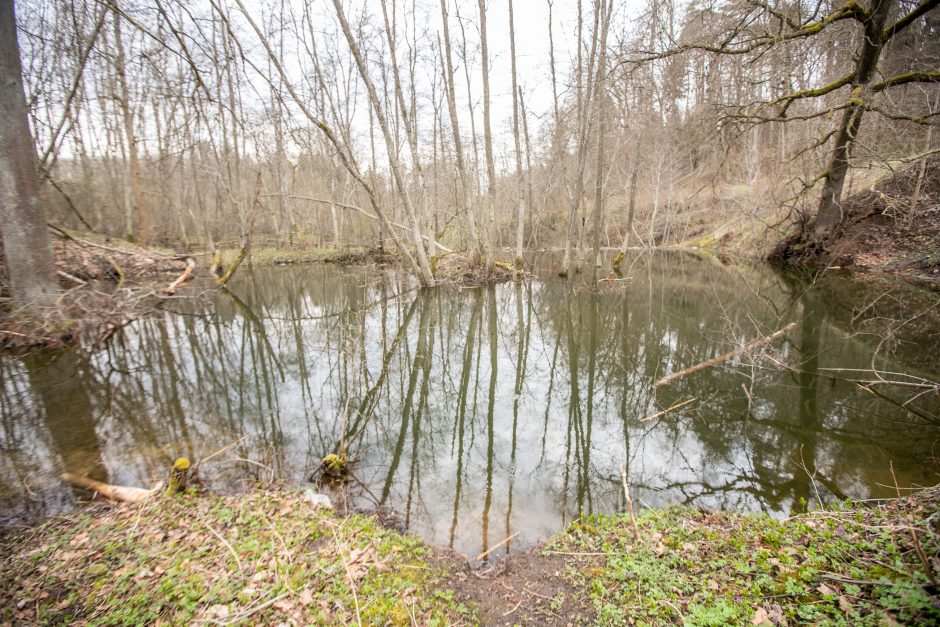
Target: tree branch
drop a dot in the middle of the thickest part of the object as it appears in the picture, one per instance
(910, 18)
(910, 77)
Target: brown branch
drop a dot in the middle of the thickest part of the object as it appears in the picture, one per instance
(903, 79)
(761, 341)
(849, 10)
(910, 18)
(812, 93)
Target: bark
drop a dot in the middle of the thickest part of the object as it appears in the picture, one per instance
(517, 144)
(26, 245)
(136, 196)
(599, 113)
(585, 119)
(830, 212)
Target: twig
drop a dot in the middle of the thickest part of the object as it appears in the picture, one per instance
(859, 582)
(223, 541)
(218, 452)
(668, 409)
(246, 613)
(495, 546)
(515, 607)
(71, 277)
(717, 360)
(352, 583)
(585, 553)
(917, 546)
(626, 494)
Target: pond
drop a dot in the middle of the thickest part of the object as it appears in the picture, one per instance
(473, 414)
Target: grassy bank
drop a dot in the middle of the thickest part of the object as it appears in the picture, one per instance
(262, 557)
(270, 557)
(844, 566)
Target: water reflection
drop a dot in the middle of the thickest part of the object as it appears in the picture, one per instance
(475, 414)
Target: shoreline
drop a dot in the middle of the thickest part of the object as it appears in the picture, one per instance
(271, 556)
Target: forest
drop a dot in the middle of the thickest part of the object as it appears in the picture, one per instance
(401, 312)
(425, 129)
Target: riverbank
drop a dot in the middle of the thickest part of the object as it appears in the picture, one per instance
(891, 226)
(271, 557)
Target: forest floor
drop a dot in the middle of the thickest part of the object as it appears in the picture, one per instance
(893, 226)
(271, 557)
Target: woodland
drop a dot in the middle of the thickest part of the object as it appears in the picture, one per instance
(366, 449)
(410, 126)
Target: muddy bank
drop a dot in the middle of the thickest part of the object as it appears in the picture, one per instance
(894, 226)
(105, 284)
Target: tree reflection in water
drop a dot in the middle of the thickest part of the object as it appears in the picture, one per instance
(479, 413)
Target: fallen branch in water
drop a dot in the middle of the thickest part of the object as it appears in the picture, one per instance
(116, 492)
(495, 546)
(668, 409)
(761, 341)
(233, 267)
(182, 278)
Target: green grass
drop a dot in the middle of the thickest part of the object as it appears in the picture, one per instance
(270, 557)
(258, 558)
(845, 566)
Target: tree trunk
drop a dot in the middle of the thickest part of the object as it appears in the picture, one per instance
(521, 199)
(26, 245)
(830, 205)
(426, 276)
(599, 112)
(140, 210)
(476, 251)
(488, 140)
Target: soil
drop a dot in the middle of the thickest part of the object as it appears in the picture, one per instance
(526, 588)
(882, 231)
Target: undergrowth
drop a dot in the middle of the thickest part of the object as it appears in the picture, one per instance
(847, 565)
(263, 557)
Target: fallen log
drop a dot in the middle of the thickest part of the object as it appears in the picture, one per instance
(182, 278)
(115, 492)
(233, 267)
(761, 341)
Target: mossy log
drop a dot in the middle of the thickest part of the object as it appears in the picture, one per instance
(216, 268)
(225, 278)
(179, 476)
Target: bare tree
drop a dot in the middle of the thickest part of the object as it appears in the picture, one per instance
(488, 140)
(26, 246)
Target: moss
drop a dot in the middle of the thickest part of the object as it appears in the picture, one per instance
(336, 465)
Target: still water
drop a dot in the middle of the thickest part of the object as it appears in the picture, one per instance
(477, 413)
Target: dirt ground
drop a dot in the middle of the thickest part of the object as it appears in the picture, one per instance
(526, 588)
(886, 229)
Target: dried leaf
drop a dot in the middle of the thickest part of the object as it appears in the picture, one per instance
(761, 617)
(825, 590)
(777, 617)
